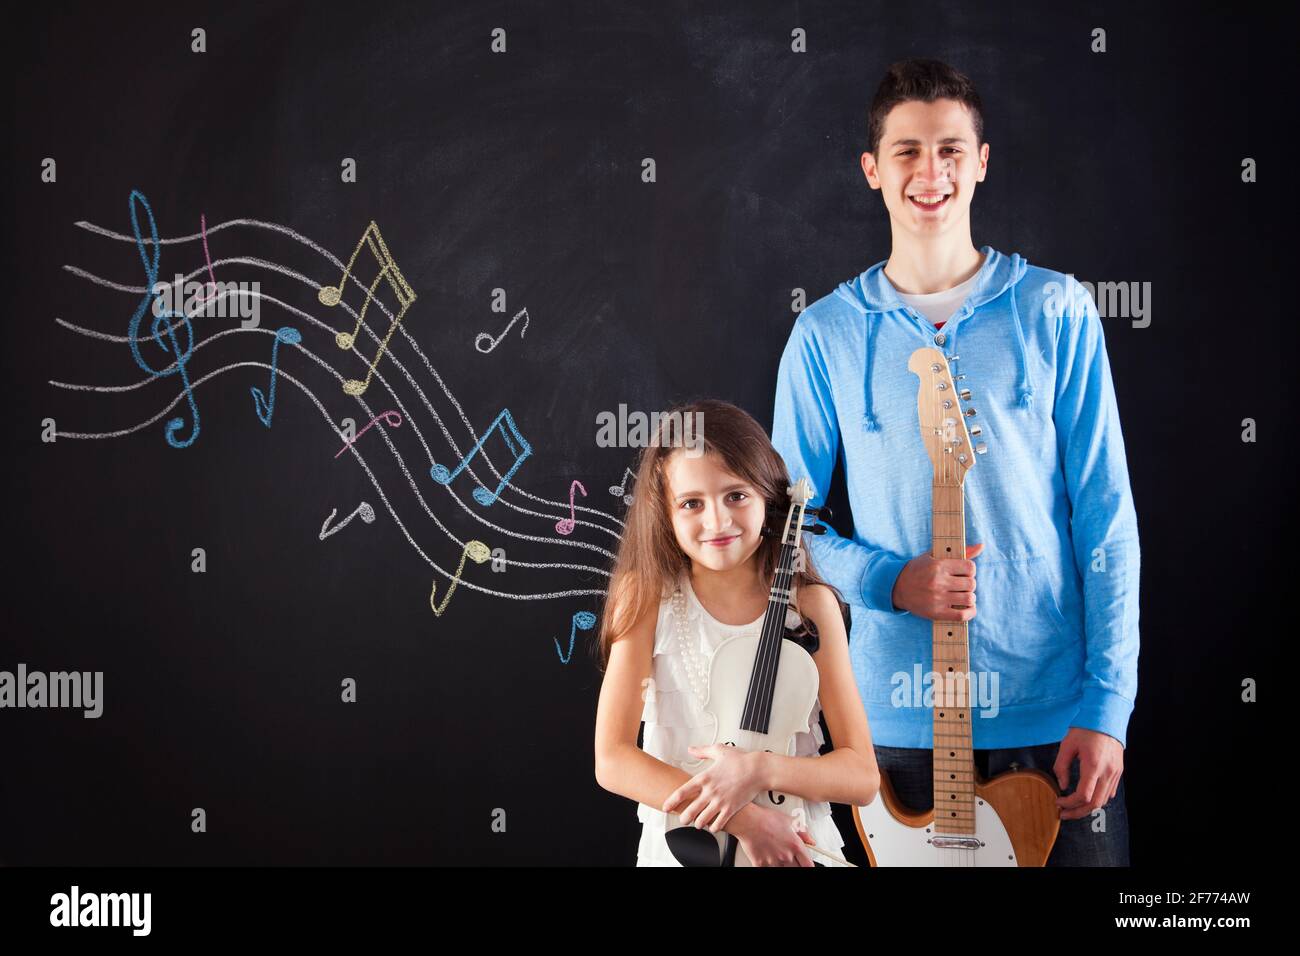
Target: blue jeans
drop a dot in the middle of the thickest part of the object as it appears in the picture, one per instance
(911, 774)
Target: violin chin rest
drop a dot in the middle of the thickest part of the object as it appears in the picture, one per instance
(693, 847)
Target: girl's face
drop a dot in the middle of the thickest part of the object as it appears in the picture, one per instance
(717, 517)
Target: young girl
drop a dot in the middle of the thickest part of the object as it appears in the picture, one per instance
(692, 571)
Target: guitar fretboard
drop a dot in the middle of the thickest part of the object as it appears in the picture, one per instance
(954, 768)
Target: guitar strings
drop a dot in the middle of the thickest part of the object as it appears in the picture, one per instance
(954, 856)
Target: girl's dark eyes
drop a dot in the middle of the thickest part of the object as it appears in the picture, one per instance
(689, 500)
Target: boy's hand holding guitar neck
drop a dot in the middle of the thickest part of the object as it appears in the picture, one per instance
(933, 588)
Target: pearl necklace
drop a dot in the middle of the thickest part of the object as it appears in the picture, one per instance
(697, 670)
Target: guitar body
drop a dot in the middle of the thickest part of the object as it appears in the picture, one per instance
(1016, 819)
(793, 695)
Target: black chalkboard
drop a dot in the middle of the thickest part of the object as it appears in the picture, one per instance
(523, 171)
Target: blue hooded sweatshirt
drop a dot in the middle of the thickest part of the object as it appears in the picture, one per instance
(1055, 634)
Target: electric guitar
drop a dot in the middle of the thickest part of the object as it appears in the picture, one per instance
(761, 693)
(1011, 820)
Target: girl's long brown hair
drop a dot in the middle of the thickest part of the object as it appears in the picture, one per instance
(649, 559)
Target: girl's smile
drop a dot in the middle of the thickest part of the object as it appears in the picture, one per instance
(717, 517)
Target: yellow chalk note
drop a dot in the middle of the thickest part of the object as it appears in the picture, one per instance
(331, 295)
(473, 549)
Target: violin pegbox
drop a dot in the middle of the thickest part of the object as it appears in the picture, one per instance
(801, 492)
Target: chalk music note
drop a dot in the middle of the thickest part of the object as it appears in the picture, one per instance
(565, 525)
(367, 515)
(478, 339)
(391, 419)
(583, 620)
(476, 550)
(212, 279)
(331, 295)
(484, 497)
(264, 407)
(618, 489)
(182, 356)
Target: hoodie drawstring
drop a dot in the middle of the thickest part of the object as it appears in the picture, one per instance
(870, 290)
(869, 422)
(1026, 383)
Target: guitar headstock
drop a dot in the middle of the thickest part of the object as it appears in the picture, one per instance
(943, 422)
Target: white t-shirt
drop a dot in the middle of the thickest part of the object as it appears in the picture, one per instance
(939, 307)
(675, 718)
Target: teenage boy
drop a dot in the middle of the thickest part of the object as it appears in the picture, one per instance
(1056, 635)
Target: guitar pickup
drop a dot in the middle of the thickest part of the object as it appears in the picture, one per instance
(955, 842)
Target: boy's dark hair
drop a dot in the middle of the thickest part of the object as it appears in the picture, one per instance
(925, 80)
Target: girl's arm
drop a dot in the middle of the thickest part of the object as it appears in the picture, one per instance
(848, 774)
(621, 766)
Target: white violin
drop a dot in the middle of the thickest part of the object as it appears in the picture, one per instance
(761, 693)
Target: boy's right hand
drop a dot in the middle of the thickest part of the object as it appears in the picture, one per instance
(768, 837)
(938, 589)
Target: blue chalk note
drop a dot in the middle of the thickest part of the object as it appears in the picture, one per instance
(484, 497)
(582, 619)
(265, 407)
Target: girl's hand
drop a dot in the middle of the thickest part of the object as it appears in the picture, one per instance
(768, 837)
(713, 796)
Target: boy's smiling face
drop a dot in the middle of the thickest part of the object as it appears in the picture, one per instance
(927, 152)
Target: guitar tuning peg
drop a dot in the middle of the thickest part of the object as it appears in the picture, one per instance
(981, 448)
(976, 431)
(970, 413)
(964, 394)
(958, 378)
(953, 358)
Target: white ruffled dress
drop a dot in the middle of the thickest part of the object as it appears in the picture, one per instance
(675, 719)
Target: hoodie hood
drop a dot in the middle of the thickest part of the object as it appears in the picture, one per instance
(873, 295)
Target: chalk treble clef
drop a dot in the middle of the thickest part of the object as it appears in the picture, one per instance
(161, 319)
